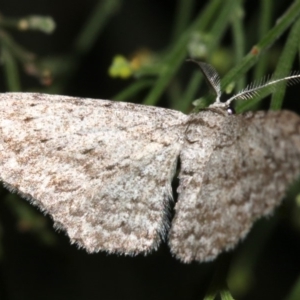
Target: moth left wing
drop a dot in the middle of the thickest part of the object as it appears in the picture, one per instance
(234, 169)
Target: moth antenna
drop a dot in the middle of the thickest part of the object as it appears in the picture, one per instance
(253, 89)
(211, 76)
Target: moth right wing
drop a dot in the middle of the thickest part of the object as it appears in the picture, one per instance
(101, 169)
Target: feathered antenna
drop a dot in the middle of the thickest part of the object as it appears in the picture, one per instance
(211, 76)
(255, 88)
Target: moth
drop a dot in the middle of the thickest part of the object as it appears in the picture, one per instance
(103, 169)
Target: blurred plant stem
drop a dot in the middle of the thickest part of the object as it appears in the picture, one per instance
(95, 24)
(13, 53)
(266, 42)
(264, 25)
(285, 63)
(239, 40)
(11, 71)
(218, 284)
(182, 17)
(178, 52)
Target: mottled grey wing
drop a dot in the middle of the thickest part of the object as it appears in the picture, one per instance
(101, 169)
(234, 169)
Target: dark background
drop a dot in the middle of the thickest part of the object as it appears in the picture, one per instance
(38, 263)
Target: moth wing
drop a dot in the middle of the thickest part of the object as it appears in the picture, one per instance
(101, 169)
(238, 175)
